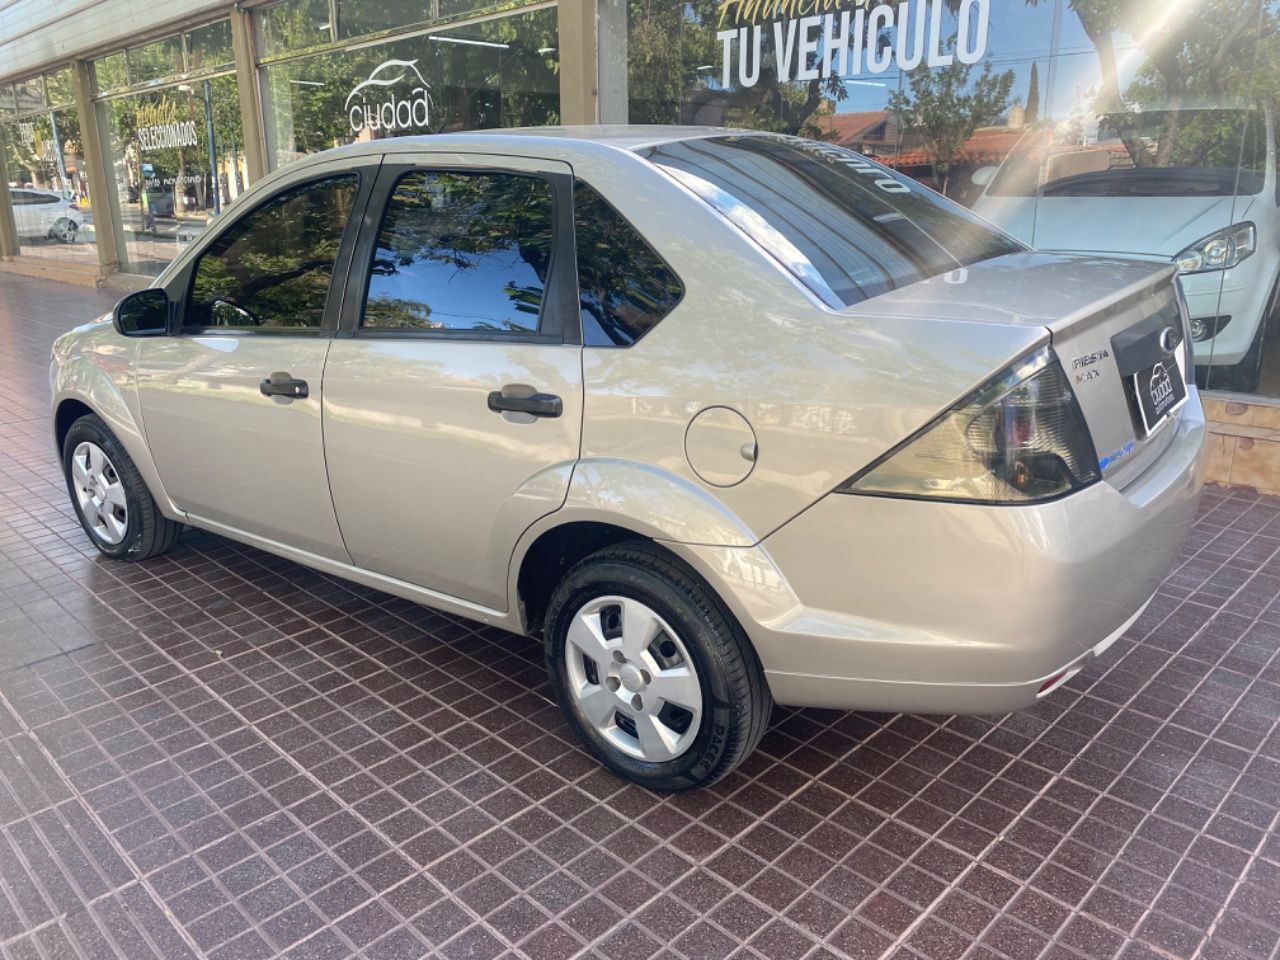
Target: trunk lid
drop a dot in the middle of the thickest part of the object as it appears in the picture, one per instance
(1106, 319)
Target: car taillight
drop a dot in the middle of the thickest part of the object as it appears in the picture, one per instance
(1019, 438)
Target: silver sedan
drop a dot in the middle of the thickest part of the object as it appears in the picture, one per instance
(725, 418)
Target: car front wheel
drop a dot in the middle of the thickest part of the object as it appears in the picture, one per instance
(113, 503)
(64, 230)
(652, 672)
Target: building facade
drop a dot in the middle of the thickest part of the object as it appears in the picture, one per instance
(1136, 127)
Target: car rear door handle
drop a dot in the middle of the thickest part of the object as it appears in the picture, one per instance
(284, 385)
(536, 404)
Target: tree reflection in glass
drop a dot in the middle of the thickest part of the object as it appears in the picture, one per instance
(462, 251)
(272, 267)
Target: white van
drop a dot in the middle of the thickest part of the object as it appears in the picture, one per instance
(1206, 198)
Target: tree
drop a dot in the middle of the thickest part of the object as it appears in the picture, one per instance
(1191, 49)
(942, 108)
(670, 47)
(1032, 111)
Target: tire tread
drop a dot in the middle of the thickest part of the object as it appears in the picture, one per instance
(159, 534)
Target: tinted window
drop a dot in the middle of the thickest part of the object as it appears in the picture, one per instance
(462, 251)
(624, 287)
(846, 227)
(272, 267)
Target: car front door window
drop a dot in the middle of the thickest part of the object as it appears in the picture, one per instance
(232, 405)
(271, 269)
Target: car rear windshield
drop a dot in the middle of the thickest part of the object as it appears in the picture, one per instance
(844, 226)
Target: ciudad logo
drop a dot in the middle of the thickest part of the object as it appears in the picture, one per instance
(406, 103)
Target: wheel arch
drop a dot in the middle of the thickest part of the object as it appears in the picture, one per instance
(608, 501)
(544, 557)
(81, 389)
(69, 410)
(550, 555)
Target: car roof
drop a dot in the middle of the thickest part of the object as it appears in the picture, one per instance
(563, 143)
(623, 136)
(550, 140)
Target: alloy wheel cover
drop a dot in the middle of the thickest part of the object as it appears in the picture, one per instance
(100, 492)
(633, 679)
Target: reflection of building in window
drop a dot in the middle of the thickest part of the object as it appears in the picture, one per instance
(872, 133)
(987, 147)
(878, 134)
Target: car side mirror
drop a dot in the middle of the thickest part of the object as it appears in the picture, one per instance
(142, 314)
(983, 176)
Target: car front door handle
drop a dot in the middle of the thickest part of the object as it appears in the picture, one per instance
(536, 404)
(284, 385)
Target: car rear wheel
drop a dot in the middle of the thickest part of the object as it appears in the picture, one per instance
(64, 230)
(113, 503)
(652, 672)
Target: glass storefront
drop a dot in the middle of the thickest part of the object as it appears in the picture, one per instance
(499, 72)
(48, 185)
(1140, 128)
(1143, 129)
(175, 149)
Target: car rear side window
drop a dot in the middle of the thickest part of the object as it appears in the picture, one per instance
(847, 228)
(624, 287)
(462, 252)
(270, 270)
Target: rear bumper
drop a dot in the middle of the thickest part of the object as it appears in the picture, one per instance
(882, 604)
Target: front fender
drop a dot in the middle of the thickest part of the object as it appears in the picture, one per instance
(102, 378)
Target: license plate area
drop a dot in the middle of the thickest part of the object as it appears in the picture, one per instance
(1159, 390)
(1147, 360)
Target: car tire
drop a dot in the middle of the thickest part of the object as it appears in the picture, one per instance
(64, 230)
(1245, 376)
(626, 683)
(1250, 377)
(110, 497)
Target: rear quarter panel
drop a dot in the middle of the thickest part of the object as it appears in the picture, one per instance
(824, 392)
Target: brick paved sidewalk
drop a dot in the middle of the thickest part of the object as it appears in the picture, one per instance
(222, 754)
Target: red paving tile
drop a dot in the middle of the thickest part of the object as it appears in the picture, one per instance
(219, 753)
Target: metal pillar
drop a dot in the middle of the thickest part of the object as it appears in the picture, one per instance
(612, 58)
(101, 188)
(579, 40)
(8, 228)
(245, 49)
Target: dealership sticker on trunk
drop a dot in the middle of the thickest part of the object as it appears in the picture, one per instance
(1160, 389)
